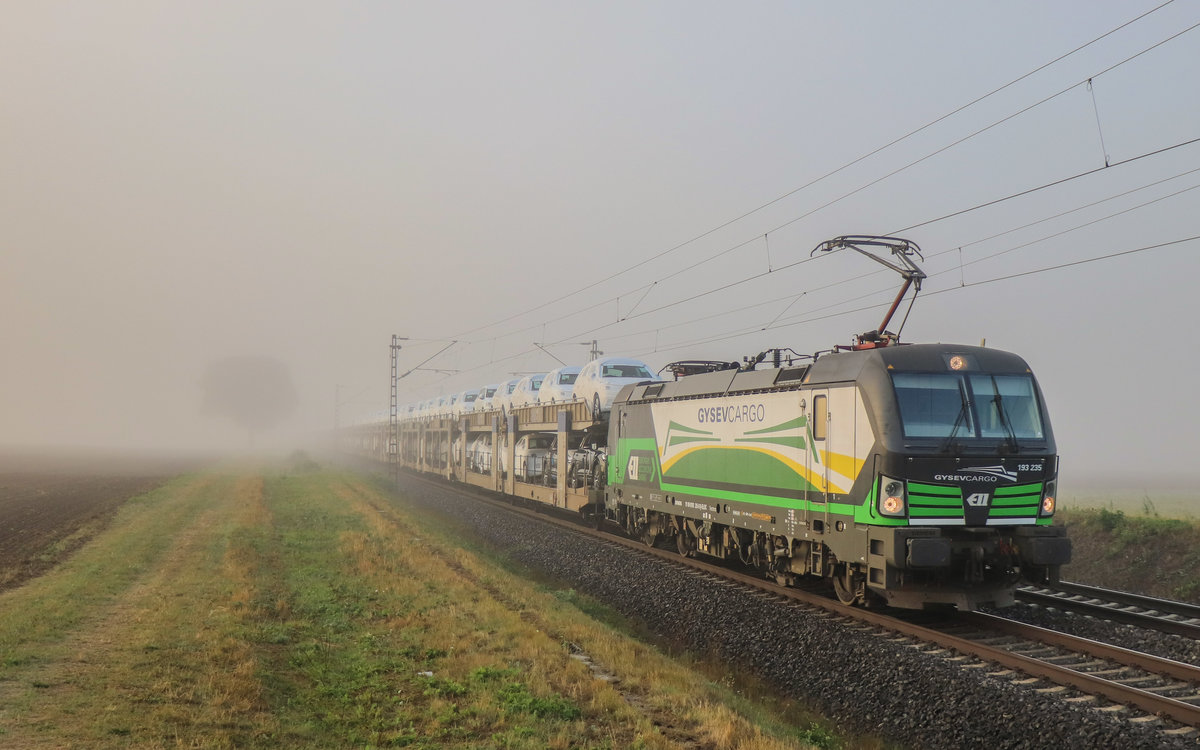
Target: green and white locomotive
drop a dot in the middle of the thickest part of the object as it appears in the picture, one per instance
(912, 474)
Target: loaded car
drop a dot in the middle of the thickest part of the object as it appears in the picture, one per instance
(586, 465)
(526, 391)
(558, 385)
(531, 454)
(486, 395)
(601, 379)
(464, 403)
(479, 454)
(502, 399)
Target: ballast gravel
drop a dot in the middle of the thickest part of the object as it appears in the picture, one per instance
(862, 682)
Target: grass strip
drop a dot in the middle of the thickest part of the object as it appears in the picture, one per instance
(314, 611)
(133, 640)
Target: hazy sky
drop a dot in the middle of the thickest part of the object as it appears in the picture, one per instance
(183, 182)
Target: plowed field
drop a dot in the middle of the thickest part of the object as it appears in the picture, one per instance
(50, 505)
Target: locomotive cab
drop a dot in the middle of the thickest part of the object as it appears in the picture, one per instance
(964, 493)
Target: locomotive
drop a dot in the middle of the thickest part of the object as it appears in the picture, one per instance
(915, 475)
(907, 474)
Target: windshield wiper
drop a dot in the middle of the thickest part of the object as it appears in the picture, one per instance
(1002, 414)
(948, 446)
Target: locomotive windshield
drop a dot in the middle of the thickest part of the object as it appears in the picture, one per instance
(965, 406)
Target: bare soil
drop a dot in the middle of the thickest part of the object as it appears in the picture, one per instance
(51, 504)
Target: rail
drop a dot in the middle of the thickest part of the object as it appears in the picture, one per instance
(1163, 615)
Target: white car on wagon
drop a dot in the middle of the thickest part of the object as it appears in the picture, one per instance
(601, 379)
(527, 389)
(559, 385)
(502, 400)
(464, 403)
(486, 394)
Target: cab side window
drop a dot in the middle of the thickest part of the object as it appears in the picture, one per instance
(820, 423)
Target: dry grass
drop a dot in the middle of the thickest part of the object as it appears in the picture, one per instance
(152, 660)
(310, 611)
(647, 699)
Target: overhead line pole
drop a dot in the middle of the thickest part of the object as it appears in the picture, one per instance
(393, 444)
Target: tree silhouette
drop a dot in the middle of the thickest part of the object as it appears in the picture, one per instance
(256, 392)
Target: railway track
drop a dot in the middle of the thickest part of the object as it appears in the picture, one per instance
(1177, 618)
(1140, 688)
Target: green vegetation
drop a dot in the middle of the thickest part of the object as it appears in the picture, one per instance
(310, 609)
(1144, 553)
(1167, 503)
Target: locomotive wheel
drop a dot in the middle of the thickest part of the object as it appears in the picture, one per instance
(848, 586)
(646, 532)
(685, 543)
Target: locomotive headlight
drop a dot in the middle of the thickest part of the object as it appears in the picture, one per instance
(891, 497)
(1048, 501)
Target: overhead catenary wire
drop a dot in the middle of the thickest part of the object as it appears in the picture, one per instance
(968, 285)
(1056, 183)
(807, 316)
(977, 207)
(774, 324)
(959, 248)
(823, 177)
(760, 275)
(963, 282)
(875, 306)
(771, 269)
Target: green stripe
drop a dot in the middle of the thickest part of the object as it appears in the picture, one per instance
(796, 441)
(931, 513)
(789, 425)
(916, 488)
(935, 503)
(768, 500)
(1010, 502)
(1013, 512)
(675, 426)
(682, 439)
(1020, 489)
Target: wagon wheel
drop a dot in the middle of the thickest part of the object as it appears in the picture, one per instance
(848, 586)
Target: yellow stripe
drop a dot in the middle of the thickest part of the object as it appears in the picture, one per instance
(847, 466)
(816, 479)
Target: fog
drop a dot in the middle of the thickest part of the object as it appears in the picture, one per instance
(189, 183)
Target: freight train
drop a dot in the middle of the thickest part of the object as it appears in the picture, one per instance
(905, 474)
